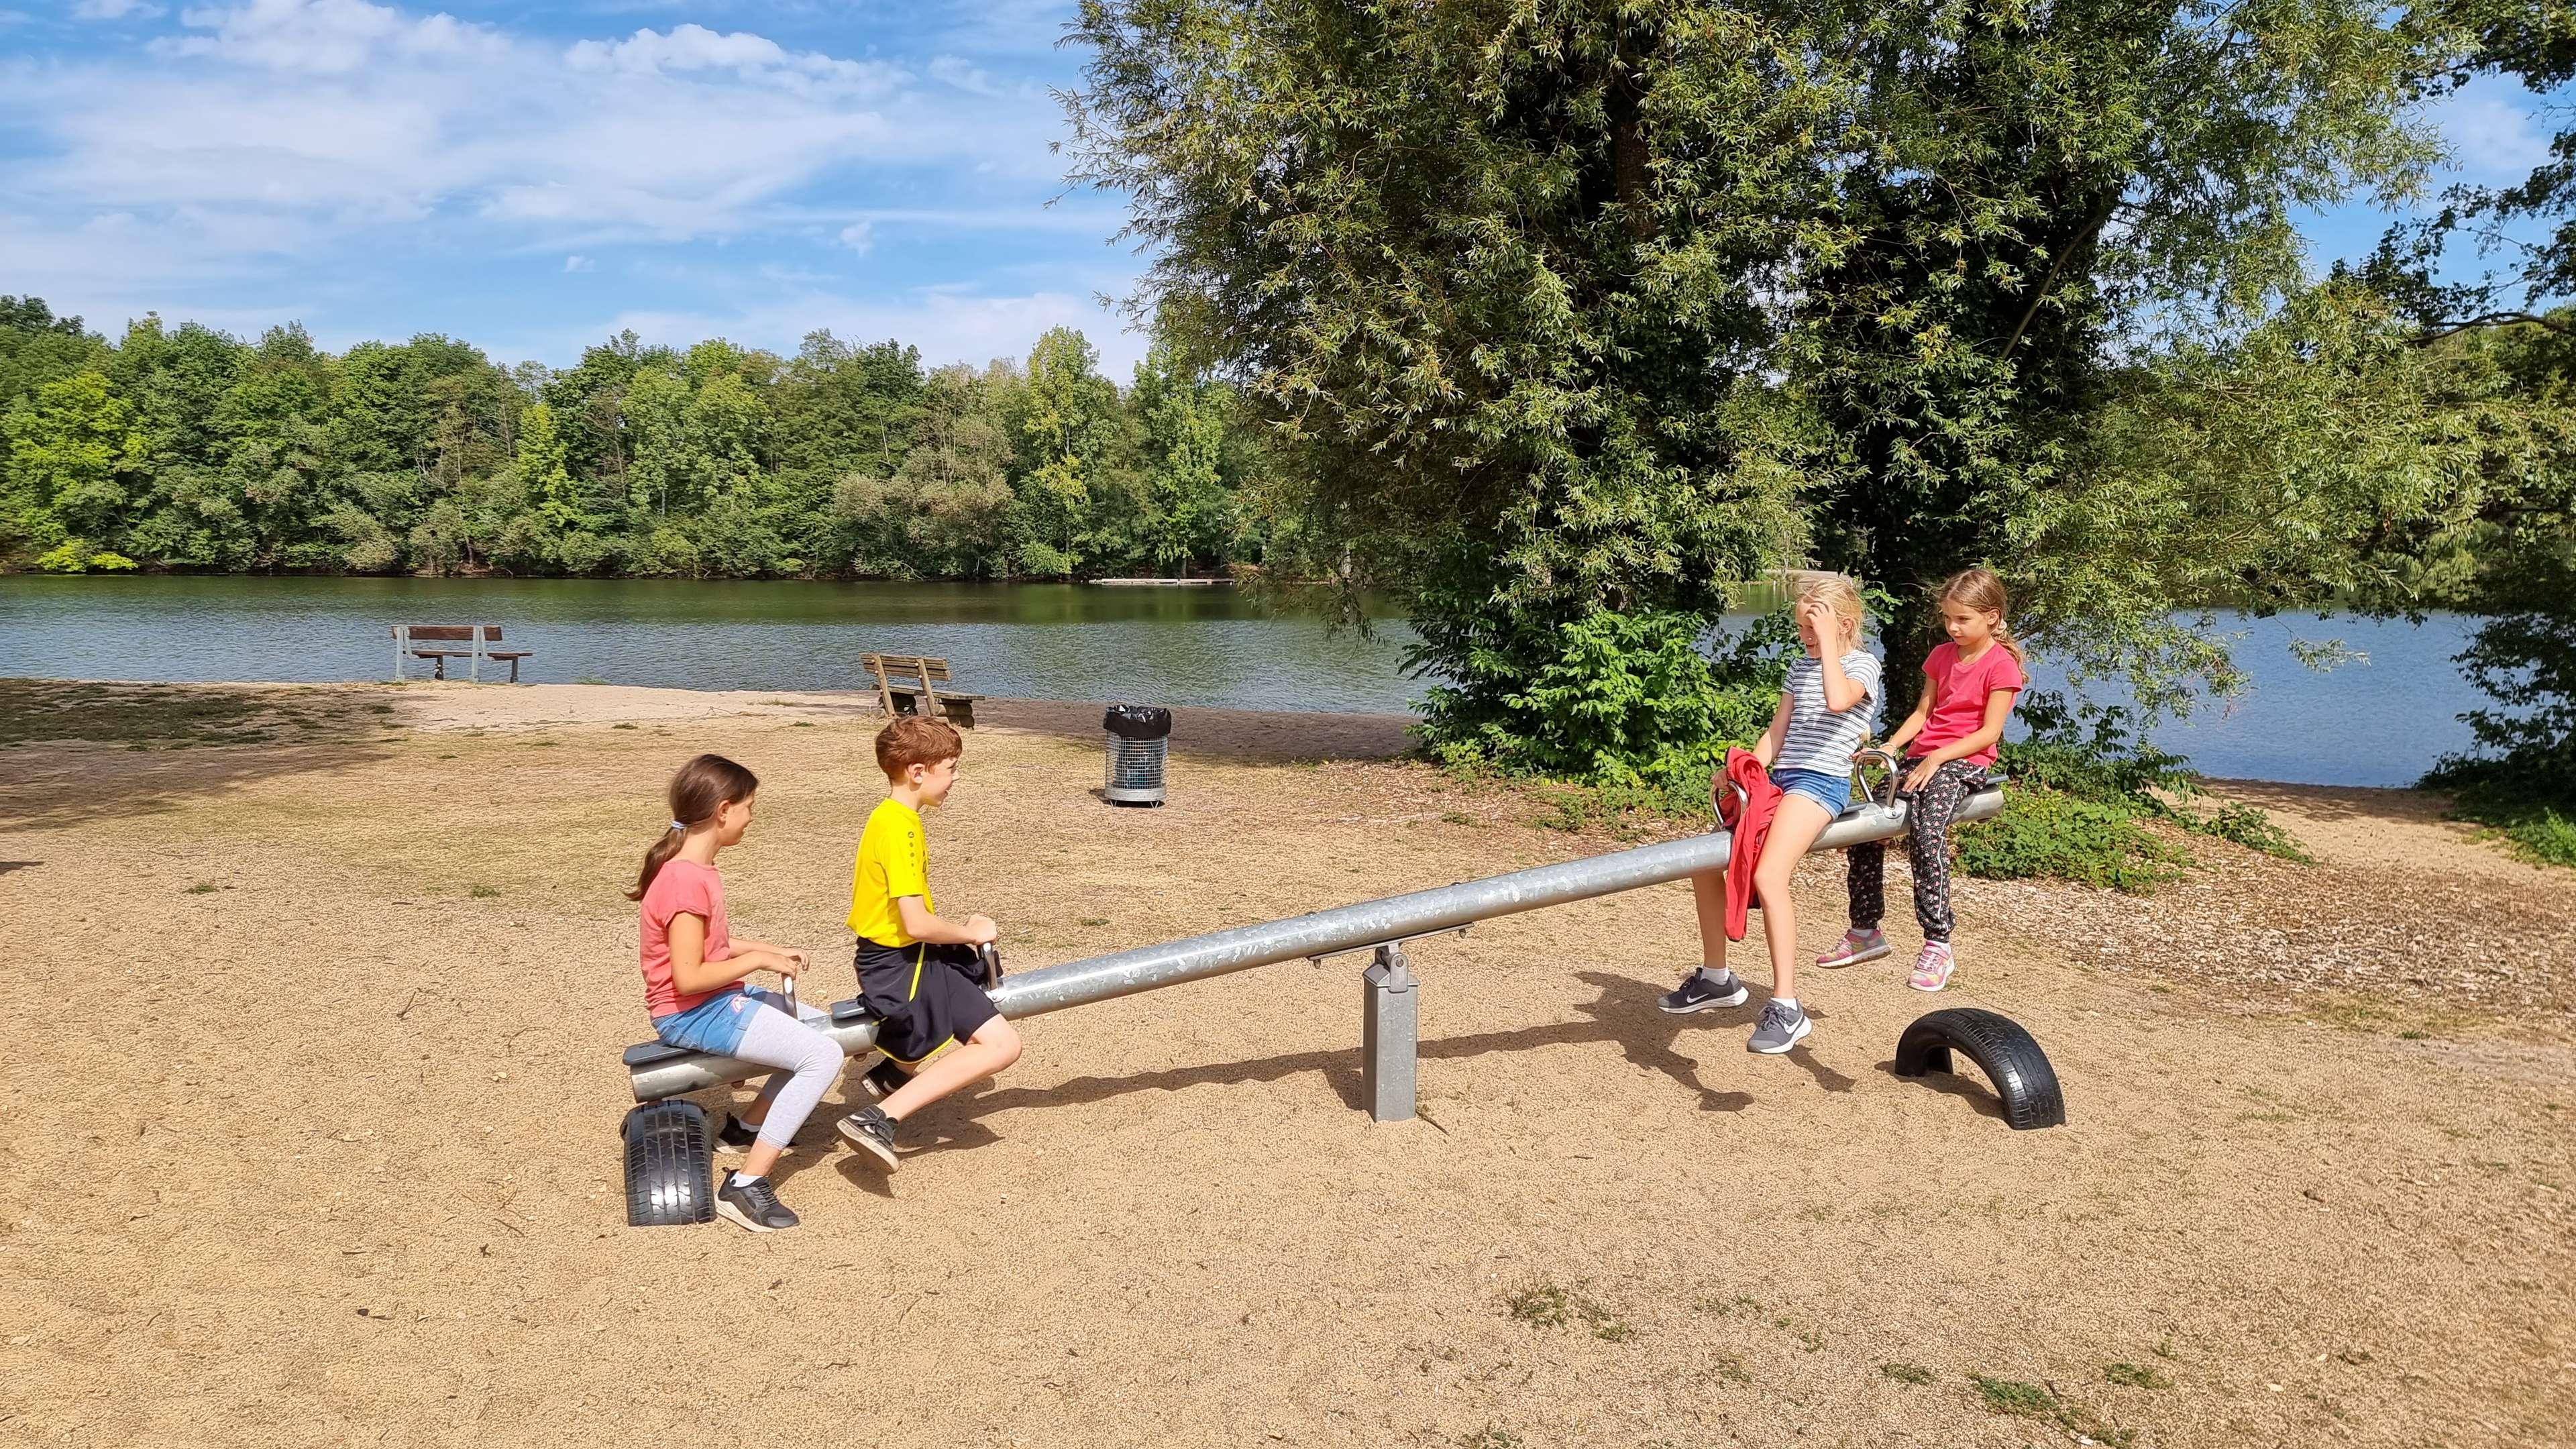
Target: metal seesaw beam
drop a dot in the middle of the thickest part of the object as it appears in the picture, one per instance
(1323, 933)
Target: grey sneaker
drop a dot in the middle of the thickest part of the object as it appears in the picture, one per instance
(1781, 1028)
(750, 1202)
(1700, 991)
(871, 1132)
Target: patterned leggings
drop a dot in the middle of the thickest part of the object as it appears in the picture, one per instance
(1927, 846)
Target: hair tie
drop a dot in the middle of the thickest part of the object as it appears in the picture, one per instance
(679, 825)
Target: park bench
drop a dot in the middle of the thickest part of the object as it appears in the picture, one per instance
(906, 682)
(439, 643)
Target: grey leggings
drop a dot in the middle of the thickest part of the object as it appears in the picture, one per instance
(811, 1061)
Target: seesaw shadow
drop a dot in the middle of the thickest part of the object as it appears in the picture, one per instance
(1980, 1098)
(1624, 1015)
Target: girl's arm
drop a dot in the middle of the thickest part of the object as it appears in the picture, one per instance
(921, 925)
(1842, 692)
(693, 973)
(1913, 722)
(1767, 748)
(1999, 703)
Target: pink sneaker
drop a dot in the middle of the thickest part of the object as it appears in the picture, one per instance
(1854, 948)
(1932, 969)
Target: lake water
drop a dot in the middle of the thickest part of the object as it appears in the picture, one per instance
(2379, 723)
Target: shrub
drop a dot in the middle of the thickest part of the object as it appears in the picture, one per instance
(2046, 832)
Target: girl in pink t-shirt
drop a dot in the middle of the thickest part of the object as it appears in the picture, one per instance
(693, 971)
(1947, 745)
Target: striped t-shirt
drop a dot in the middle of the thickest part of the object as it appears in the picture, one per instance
(1818, 738)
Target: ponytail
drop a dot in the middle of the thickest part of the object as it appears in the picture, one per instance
(1979, 589)
(700, 788)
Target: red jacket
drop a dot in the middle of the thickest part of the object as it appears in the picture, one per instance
(1754, 803)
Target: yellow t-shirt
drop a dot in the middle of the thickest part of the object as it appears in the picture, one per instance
(893, 863)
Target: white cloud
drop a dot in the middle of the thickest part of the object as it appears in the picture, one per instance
(578, 263)
(296, 121)
(114, 10)
(2496, 130)
(859, 236)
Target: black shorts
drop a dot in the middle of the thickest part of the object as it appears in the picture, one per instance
(925, 997)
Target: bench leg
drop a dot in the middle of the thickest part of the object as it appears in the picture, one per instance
(438, 667)
(514, 671)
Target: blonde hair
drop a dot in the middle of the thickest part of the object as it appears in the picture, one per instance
(1840, 593)
(1979, 589)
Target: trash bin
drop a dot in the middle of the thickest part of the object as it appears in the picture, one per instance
(1139, 737)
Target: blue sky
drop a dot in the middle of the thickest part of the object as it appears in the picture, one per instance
(532, 178)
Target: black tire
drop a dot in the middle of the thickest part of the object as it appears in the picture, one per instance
(2008, 1055)
(669, 1166)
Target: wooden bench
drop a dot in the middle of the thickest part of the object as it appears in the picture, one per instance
(906, 681)
(443, 643)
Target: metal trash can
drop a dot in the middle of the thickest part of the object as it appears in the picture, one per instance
(1139, 737)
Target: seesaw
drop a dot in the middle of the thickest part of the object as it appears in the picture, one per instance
(668, 1163)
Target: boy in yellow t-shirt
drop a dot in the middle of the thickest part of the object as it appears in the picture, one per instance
(917, 971)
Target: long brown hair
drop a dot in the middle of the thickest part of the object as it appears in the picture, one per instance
(1979, 589)
(698, 790)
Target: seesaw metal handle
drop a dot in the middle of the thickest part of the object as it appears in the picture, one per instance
(1886, 761)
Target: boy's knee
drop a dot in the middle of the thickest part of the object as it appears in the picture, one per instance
(998, 1035)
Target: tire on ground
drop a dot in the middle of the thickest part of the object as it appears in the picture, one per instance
(669, 1165)
(2008, 1055)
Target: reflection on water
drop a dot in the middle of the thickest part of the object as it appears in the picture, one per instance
(2380, 723)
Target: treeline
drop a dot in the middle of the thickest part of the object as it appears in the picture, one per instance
(186, 448)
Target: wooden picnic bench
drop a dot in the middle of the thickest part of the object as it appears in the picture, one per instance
(439, 643)
(905, 682)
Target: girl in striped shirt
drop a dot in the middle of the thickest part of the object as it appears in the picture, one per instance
(1828, 706)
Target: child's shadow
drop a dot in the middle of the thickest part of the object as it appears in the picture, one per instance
(1650, 1037)
(1980, 1098)
(937, 1128)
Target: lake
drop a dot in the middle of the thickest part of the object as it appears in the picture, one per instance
(2379, 723)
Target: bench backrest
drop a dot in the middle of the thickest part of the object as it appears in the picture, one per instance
(906, 666)
(445, 633)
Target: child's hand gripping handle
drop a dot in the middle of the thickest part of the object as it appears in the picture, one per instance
(991, 956)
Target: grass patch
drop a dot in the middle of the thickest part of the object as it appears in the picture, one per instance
(1542, 1304)
(2536, 833)
(2031, 1401)
(1906, 1373)
(621, 726)
(2136, 1376)
(1492, 1436)
(203, 888)
(483, 892)
(2048, 833)
(1095, 920)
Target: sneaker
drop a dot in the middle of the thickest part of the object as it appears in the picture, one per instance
(750, 1202)
(1932, 969)
(1856, 947)
(1700, 991)
(884, 1079)
(871, 1132)
(736, 1136)
(1781, 1028)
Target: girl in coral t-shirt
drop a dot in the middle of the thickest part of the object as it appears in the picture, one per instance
(693, 970)
(1947, 746)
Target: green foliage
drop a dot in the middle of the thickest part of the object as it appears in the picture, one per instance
(2046, 833)
(189, 449)
(1907, 1373)
(1617, 699)
(2136, 1376)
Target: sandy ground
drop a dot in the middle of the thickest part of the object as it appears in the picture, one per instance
(313, 1105)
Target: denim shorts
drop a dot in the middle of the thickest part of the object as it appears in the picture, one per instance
(715, 1025)
(1831, 791)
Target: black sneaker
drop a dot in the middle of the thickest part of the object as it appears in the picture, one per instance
(884, 1079)
(750, 1202)
(736, 1136)
(871, 1132)
(1700, 992)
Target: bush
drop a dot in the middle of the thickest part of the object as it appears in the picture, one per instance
(2521, 781)
(2049, 833)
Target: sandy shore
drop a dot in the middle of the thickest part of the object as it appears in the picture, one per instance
(314, 1104)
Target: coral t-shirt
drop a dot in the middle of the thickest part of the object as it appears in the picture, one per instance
(681, 885)
(1959, 690)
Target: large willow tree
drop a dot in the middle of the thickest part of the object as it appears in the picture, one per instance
(1574, 314)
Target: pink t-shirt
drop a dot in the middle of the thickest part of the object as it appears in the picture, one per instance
(681, 885)
(1959, 690)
